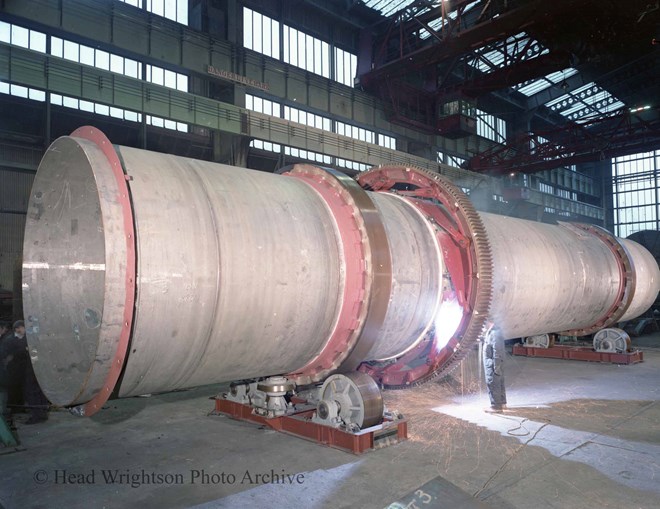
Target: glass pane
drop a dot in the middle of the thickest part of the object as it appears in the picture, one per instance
(37, 41)
(37, 95)
(131, 68)
(71, 51)
(87, 106)
(117, 64)
(157, 75)
(20, 36)
(182, 82)
(256, 33)
(285, 43)
(86, 55)
(325, 55)
(170, 9)
(309, 53)
(56, 47)
(102, 59)
(182, 13)
(116, 112)
(158, 7)
(266, 36)
(5, 32)
(102, 109)
(247, 28)
(302, 47)
(275, 40)
(70, 102)
(169, 79)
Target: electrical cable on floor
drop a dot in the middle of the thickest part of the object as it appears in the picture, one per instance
(522, 446)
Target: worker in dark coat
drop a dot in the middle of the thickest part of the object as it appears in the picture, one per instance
(36, 402)
(493, 359)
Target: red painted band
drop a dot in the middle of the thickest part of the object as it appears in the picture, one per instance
(101, 141)
(353, 309)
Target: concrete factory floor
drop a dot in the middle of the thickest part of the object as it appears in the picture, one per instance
(581, 435)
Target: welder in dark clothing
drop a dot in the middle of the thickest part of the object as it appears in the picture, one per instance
(493, 358)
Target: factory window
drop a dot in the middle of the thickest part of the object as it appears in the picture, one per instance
(546, 188)
(345, 67)
(351, 165)
(306, 118)
(455, 161)
(20, 91)
(23, 37)
(261, 33)
(450, 160)
(176, 10)
(354, 132)
(306, 154)
(306, 52)
(169, 79)
(565, 193)
(387, 141)
(94, 57)
(92, 107)
(120, 65)
(491, 127)
(254, 103)
(635, 189)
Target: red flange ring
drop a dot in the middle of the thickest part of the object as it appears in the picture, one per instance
(368, 273)
(123, 198)
(627, 280)
(455, 219)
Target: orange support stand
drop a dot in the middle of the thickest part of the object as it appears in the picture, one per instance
(300, 424)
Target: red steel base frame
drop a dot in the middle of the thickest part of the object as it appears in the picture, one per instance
(299, 424)
(579, 353)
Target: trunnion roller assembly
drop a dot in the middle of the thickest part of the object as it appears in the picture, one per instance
(146, 272)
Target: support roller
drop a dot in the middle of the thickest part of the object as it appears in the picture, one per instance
(146, 272)
(612, 340)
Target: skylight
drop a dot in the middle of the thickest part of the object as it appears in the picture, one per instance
(529, 88)
(387, 7)
(585, 102)
(495, 56)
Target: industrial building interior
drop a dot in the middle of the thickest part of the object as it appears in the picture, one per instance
(244, 234)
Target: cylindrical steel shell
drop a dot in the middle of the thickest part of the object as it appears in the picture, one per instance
(73, 270)
(416, 277)
(548, 278)
(238, 274)
(647, 282)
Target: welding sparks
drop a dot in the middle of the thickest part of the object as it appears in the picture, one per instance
(446, 322)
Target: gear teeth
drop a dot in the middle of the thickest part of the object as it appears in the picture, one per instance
(484, 262)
